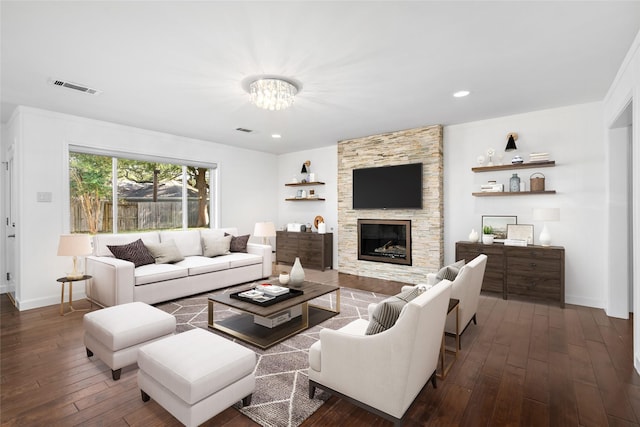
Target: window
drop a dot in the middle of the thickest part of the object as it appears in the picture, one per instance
(150, 194)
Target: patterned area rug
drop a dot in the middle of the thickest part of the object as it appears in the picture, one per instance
(281, 398)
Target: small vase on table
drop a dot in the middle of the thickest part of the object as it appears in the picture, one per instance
(296, 275)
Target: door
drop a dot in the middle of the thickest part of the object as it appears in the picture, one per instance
(10, 226)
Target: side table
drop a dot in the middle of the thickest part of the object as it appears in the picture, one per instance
(454, 304)
(70, 281)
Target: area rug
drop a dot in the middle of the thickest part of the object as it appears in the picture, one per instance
(281, 398)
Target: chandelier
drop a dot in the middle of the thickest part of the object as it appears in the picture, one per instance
(272, 93)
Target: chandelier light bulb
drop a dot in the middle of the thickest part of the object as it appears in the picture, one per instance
(272, 94)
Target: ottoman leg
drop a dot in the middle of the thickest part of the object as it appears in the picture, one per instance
(145, 396)
(247, 400)
(89, 353)
(116, 374)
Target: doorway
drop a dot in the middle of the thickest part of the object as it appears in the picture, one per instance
(10, 225)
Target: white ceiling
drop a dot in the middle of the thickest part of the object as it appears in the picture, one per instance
(365, 67)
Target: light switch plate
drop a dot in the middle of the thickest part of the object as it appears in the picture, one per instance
(44, 196)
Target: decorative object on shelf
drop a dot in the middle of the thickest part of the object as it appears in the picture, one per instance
(498, 223)
(272, 93)
(473, 236)
(520, 232)
(480, 160)
(312, 177)
(264, 230)
(296, 276)
(305, 170)
(490, 152)
(283, 278)
(309, 230)
(74, 245)
(294, 180)
(538, 157)
(537, 182)
(487, 235)
(322, 228)
(491, 187)
(546, 215)
(517, 160)
(514, 183)
(511, 142)
(317, 220)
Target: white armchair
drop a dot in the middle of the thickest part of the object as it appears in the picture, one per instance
(383, 373)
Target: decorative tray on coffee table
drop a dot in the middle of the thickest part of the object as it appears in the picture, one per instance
(262, 298)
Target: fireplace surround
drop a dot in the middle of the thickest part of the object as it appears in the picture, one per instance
(384, 240)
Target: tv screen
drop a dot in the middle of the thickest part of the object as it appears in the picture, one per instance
(388, 187)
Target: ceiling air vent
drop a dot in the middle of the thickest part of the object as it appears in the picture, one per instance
(76, 86)
(244, 130)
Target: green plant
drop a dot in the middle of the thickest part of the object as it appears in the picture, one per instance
(487, 229)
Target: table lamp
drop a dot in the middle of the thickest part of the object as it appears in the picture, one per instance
(74, 245)
(546, 215)
(264, 230)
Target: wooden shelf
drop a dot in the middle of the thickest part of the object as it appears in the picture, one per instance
(306, 199)
(301, 184)
(508, 193)
(547, 164)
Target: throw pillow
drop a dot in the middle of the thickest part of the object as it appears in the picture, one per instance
(214, 246)
(449, 272)
(165, 252)
(387, 311)
(135, 252)
(238, 243)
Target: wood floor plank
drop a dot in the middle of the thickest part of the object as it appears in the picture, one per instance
(508, 407)
(591, 410)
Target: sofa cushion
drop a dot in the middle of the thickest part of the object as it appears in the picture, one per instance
(152, 273)
(239, 259)
(239, 243)
(165, 253)
(386, 313)
(450, 272)
(216, 246)
(201, 265)
(188, 241)
(135, 252)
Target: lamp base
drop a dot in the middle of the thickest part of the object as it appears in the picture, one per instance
(545, 236)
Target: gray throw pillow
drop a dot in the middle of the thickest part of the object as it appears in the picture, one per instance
(215, 246)
(238, 243)
(387, 311)
(135, 252)
(165, 252)
(450, 272)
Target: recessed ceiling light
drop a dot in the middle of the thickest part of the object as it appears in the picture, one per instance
(461, 93)
(276, 136)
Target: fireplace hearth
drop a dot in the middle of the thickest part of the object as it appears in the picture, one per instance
(382, 240)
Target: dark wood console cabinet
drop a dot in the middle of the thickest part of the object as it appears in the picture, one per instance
(315, 250)
(528, 271)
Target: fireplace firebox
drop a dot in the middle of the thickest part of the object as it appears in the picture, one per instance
(383, 240)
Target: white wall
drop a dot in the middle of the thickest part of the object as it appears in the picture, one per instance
(625, 90)
(574, 137)
(324, 163)
(248, 187)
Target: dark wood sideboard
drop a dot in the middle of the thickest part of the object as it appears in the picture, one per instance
(532, 271)
(315, 250)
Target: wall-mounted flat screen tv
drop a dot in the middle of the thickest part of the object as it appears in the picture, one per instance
(388, 187)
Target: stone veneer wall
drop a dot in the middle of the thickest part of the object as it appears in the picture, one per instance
(427, 239)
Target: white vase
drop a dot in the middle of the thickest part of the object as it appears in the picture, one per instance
(487, 239)
(296, 276)
(473, 236)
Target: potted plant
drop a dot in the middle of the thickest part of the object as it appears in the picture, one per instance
(487, 235)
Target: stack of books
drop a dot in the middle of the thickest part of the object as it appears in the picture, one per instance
(538, 157)
(491, 188)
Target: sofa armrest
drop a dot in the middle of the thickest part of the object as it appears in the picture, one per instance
(265, 252)
(112, 281)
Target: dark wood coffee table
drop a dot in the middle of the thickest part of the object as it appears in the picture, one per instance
(243, 327)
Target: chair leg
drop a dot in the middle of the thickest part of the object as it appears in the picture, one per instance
(145, 396)
(89, 353)
(312, 390)
(116, 374)
(433, 380)
(475, 322)
(246, 401)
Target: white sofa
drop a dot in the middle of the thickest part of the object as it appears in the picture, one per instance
(116, 281)
(383, 373)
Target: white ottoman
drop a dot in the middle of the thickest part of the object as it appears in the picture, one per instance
(114, 334)
(196, 374)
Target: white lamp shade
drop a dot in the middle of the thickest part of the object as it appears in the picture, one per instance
(264, 229)
(546, 214)
(74, 245)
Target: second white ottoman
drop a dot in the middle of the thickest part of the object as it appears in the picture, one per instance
(196, 374)
(115, 333)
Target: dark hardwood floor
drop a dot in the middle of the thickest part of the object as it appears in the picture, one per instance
(525, 363)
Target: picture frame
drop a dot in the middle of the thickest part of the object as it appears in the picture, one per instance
(520, 232)
(499, 224)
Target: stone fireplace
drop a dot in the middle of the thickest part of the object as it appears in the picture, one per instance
(420, 145)
(384, 241)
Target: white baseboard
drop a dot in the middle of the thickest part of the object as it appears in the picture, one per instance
(586, 302)
(47, 301)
